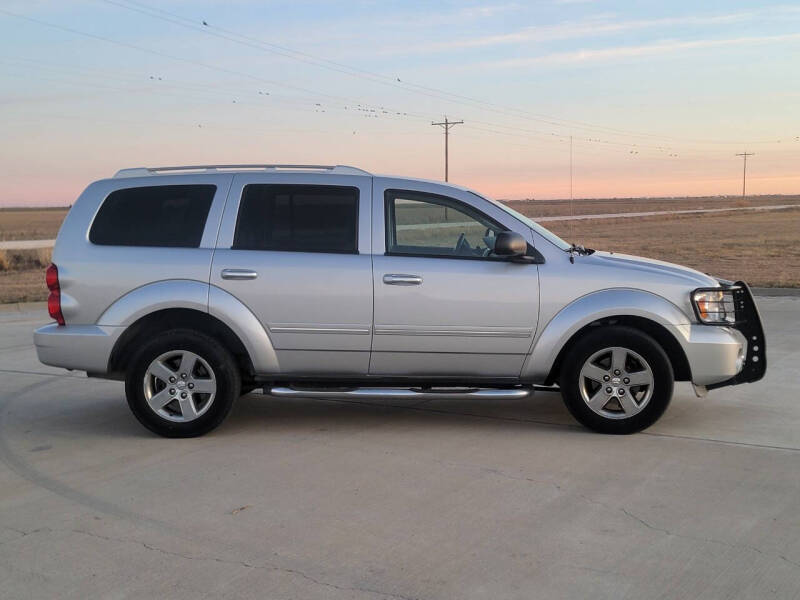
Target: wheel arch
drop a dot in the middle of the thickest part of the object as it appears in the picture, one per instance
(194, 304)
(642, 310)
(178, 318)
(667, 341)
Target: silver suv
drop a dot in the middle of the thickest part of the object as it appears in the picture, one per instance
(197, 284)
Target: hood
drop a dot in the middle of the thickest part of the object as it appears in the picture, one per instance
(650, 267)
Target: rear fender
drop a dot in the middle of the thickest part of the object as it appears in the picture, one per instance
(196, 295)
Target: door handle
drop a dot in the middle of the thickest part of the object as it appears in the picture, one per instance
(400, 279)
(238, 274)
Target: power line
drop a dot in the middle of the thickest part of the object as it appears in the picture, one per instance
(209, 29)
(186, 60)
(367, 109)
(744, 155)
(447, 126)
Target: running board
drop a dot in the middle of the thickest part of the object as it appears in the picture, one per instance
(517, 393)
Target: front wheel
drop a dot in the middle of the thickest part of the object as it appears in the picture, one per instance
(616, 380)
(182, 383)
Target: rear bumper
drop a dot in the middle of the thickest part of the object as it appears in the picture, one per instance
(79, 347)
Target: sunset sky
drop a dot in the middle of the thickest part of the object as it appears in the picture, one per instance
(658, 97)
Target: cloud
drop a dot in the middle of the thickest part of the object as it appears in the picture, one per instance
(599, 26)
(487, 10)
(463, 14)
(621, 52)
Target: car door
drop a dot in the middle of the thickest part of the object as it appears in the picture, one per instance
(444, 305)
(295, 249)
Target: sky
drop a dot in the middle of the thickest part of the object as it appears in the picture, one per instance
(653, 98)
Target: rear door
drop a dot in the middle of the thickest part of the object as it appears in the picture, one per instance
(295, 249)
(444, 306)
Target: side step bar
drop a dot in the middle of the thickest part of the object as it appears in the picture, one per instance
(517, 393)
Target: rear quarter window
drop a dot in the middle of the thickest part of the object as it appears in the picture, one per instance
(163, 215)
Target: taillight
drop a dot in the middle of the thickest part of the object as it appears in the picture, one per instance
(54, 299)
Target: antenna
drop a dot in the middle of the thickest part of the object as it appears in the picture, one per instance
(744, 170)
(447, 125)
(571, 204)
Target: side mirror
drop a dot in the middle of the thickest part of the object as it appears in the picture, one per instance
(510, 244)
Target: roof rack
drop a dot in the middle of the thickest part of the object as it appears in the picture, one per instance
(144, 171)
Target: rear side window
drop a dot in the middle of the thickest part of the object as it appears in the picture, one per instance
(298, 218)
(162, 215)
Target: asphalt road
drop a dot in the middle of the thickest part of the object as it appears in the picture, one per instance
(315, 499)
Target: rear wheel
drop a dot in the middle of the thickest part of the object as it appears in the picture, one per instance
(182, 384)
(617, 380)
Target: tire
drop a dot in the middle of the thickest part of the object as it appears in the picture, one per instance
(590, 368)
(155, 389)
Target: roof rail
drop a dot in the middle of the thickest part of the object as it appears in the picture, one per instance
(144, 171)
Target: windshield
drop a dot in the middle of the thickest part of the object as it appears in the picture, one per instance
(545, 233)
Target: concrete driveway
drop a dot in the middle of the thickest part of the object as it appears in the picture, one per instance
(315, 499)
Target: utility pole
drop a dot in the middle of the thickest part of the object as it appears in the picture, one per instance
(744, 170)
(447, 125)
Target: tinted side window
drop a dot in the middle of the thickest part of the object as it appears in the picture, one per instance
(432, 225)
(298, 218)
(163, 215)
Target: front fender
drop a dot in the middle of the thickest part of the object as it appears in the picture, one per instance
(592, 307)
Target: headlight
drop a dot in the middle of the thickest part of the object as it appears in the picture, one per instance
(714, 306)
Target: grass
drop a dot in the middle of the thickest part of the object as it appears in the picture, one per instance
(22, 275)
(762, 248)
(22, 286)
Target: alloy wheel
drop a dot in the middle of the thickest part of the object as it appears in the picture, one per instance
(179, 386)
(616, 383)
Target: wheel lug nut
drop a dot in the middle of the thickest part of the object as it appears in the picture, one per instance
(616, 371)
(172, 391)
(172, 380)
(608, 390)
(626, 380)
(621, 392)
(606, 377)
(191, 386)
(183, 395)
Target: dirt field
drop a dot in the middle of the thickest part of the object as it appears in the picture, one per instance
(30, 224)
(43, 224)
(762, 248)
(589, 206)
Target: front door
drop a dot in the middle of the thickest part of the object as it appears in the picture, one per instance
(295, 249)
(445, 306)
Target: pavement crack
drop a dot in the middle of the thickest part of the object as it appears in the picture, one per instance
(648, 525)
(707, 540)
(244, 564)
(23, 534)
